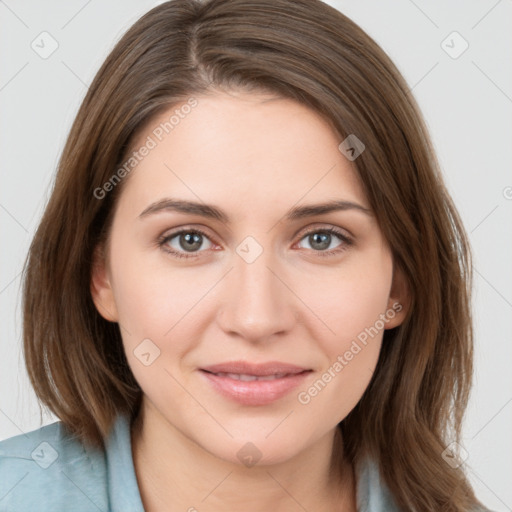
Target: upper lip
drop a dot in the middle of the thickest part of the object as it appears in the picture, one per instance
(259, 369)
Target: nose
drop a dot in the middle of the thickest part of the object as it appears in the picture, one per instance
(258, 303)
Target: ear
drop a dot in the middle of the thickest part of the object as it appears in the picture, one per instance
(101, 288)
(398, 301)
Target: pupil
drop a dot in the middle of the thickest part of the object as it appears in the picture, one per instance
(320, 240)
(192, 241)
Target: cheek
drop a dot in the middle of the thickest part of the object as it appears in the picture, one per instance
(350, 301)
(155, 329)
(349, 335)
(154, 306)
(150, 295)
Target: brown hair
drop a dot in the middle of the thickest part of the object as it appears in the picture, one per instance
(309, 52)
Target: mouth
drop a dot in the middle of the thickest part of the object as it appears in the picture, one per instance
(254, 384)
(249, 378)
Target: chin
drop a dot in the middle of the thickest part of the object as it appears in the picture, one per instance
(255, 450)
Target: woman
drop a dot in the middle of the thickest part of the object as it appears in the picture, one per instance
(250, 287)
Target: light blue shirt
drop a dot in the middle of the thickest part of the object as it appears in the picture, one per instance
(47, 470)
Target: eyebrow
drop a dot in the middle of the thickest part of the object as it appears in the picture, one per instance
(213, 212)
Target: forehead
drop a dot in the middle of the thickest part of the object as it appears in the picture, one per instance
(245, 151)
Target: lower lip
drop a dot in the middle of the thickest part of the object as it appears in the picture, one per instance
(255, 392)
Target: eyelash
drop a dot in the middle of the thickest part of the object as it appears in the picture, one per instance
(164, 239)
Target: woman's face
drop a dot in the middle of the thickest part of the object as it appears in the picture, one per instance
(293, 314)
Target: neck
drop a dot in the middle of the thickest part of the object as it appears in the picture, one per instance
(176, 473)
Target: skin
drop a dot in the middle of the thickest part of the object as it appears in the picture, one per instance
(255, 157)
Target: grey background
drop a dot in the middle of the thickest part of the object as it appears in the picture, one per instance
(467, 103)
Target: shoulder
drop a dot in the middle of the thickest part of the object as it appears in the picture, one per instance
(48, 469)
(373, 494)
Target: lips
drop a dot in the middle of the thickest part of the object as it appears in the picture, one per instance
(254, 384)
(248, 378)
(258, 370)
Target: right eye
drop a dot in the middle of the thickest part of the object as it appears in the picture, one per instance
(184, 243)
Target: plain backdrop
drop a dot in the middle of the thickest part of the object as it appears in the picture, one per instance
(466, 100)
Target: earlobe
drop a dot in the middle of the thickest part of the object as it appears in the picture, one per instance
(398, 301)
(101, 288)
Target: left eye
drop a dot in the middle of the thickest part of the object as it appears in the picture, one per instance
(320, 240)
